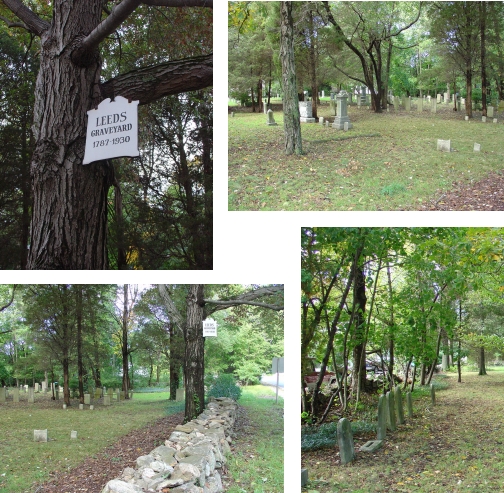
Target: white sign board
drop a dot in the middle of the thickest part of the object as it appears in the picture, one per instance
(209, 328)
(278, 365)
(112, 130)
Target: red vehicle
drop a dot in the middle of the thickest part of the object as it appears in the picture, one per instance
(311, 378)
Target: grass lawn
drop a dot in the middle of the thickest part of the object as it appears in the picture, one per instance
(257, 463)
(387, 161)
(23, 462)
(456, 445)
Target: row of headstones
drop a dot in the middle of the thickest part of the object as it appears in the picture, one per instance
(87, 397)
(41, 435)
(390, 414)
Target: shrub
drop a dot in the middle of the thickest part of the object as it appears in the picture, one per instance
(225, 386)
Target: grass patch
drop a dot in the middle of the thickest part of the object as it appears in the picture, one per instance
(23, 462)
(257, 465)
(386, 162)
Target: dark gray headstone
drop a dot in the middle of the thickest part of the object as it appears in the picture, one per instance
(391, 411)
(399, 406)
(382, 418)
(433, 394)
(409, 404)
(371, 446)
(304, 477)
(345, 441)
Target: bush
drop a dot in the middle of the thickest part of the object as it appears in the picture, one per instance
(225, 386)
(249, 373)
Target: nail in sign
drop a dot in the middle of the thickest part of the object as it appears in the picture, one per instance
(112, 130)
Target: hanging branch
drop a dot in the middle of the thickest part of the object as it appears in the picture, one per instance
(33, 22)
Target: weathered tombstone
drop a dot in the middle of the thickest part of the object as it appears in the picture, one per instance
(345, 126)
(444, 145)
(15, 394)
(36, 387)
(433, 106)
(232, 114)
(106, 400)
(97, 393)
(327, 123)
(179, 395)
(81, 406)
(110, 392)
(407, 103)
(391, 411)
(305, 112)
(477, 147)
(265, 107)
(271, 119)
(64, 406)
(438, 98)
(446, 97)
(419, 105)
(91, 407)
(371, 446)
(483, 119)
(57, 395)
(342, 116)
(333, 105)
(459, 105)
(345, 441)
(123, 395)
(87, 399)
(409, 404)
(31, 395)
(304, 477)
(382, 418)
(399, 405)
(495, 120)
(40, 435)
(466, 118)
(321, 120)
(73, 435)
(2, 394)
(44, 386)
(433, 394)
(323, 93)
(130, 393)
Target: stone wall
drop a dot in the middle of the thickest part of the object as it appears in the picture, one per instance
(190, 459)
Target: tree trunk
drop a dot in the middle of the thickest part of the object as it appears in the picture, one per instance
(313, 65)
(260, 102)
(292, 125)
(359, 309)
(484, 82)
(80, 367)
(194, 367)
(69, 222)
(124, 348)
(482, 368)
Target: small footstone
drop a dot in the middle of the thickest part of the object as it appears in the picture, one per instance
(40, 435)
(64, 406)
(477, 147)
(483, 119)
(73, 434)
(466, 118)
(444, 145)
(91, 407)
(81, 406)
(495, 120)
(371, 446)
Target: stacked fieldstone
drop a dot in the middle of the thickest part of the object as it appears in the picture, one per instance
(190, 459)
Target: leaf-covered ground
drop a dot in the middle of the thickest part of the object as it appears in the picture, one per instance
(385, 162)
(456, 445)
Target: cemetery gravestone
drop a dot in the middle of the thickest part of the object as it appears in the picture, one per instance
(477, 147)
(466, 118)
(444, 145)
(81, 406)
(179, 395)
(345, 441)
(419, 105)
(64, 406)
(433, 106)
(2, 394)
(106, 400)
(91, 407)
(73, 435)
(304, 477)
(399, 405)
(36, 387)
(15, 395)
(495, 120)
(371, 446)
(407, 103)
(433, 394)
(305, 112)
(87, 399)
(271, 119)
(483, 119)
(332, 104)
(40, 435)
(382, 418)
(321, 120)
(391, 411)
(342, 116)
(31, 395)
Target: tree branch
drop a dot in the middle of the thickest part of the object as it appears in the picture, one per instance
(249, 299)
(10, 302)
(151, 83)
(118, 15)
(180, 3)
(14, 24)
(173, 313)
(33, 21)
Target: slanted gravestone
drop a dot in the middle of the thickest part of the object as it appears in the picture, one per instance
(409, 404)
(73, 435)
(304, 477)
(345, 441)
(382, 418)
(106, 400)
(40, 435)
(306, 112)
(477, 147)
(342, 116)
(399, 405)
(444, 145)
(271, 119)
(391, 411)
(371, 446)
(31, 395)
(2, 394)
(432, 394)
(15, 395)
(87, 399)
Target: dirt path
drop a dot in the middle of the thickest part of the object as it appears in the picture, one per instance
(457, 445)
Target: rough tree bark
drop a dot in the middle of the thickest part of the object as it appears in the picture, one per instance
(69, 213)
(124, 348)
(292, 125)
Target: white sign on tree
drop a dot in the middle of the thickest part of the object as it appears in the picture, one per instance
(112, 130)
(209, 328)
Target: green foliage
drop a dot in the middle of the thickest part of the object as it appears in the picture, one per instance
(225, 386)
(325, 435)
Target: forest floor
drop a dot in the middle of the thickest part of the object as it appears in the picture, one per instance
(455, 445)
(111, 438)
(387, 161)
